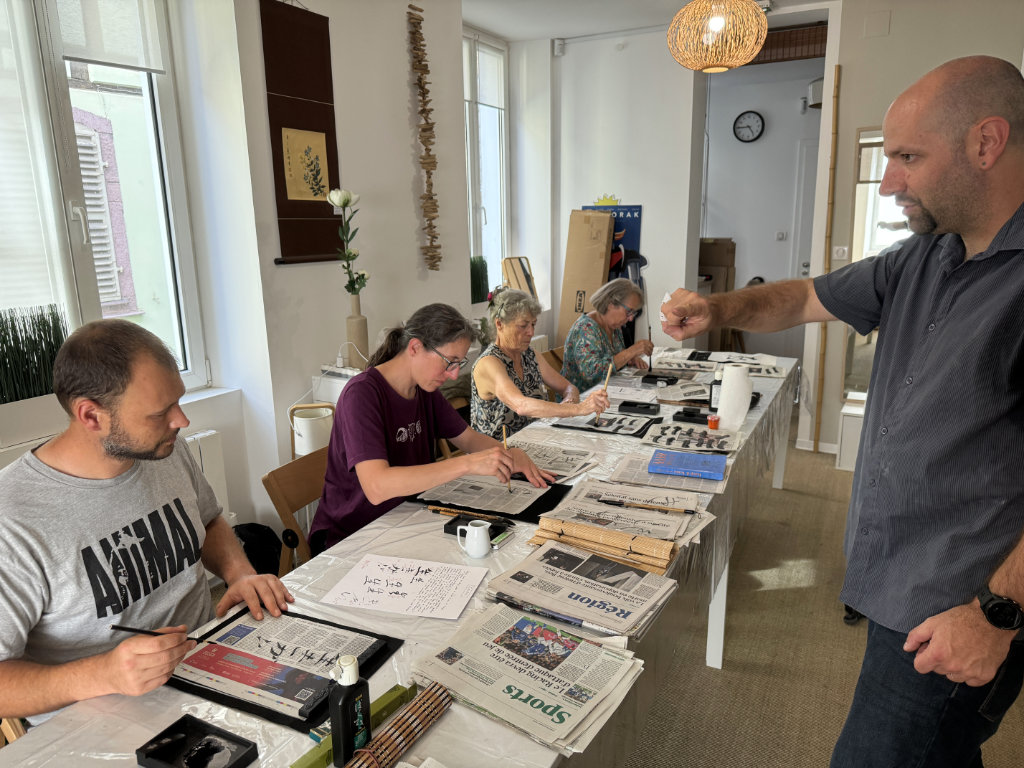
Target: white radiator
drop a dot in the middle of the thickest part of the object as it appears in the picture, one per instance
(209, 455)
(539, 343)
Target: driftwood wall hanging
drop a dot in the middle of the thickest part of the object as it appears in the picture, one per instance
(428, 160)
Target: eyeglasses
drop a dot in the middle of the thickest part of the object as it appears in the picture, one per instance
(450, 365)
(630, 312)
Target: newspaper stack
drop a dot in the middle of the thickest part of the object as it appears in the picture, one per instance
(555, 686)
(639, 537)
(682, 508)
(584, 589)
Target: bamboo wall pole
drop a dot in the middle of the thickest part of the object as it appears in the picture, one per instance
(823, 334)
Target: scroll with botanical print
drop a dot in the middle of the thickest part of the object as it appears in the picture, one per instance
(306, 175)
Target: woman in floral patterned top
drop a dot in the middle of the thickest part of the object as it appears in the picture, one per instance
(595, 339)
(508, 378)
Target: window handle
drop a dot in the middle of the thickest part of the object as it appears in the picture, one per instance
(483, 210)
(78, 212)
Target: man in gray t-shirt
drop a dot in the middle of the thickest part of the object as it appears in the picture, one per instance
(108, 524)
(935, 556)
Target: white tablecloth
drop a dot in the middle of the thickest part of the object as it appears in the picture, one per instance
(106, 731)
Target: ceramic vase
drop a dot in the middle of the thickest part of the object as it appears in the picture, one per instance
(355, 327)
(735, 399)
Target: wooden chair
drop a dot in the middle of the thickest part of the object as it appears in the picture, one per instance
(554, 358)
(11, 728)
(445, 449)
(290, 488)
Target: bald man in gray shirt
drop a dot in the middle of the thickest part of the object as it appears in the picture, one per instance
(933, 542)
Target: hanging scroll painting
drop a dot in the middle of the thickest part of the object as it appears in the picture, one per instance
(303, 142)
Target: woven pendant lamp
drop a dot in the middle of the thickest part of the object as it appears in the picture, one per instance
(716, 35)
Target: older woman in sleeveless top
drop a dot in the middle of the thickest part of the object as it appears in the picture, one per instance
(509, 378)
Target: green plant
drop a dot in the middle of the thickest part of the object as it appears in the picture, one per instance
(347, 255)
(477, 279)
(483, 333)
(29, 340)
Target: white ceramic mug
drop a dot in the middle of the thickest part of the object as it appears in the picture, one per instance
(478, 540)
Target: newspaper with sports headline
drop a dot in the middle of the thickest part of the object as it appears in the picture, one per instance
(584, 589)
(541, 679)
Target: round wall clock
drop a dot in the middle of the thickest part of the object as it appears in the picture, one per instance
(748, 126)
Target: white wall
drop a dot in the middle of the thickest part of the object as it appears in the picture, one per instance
(612, 131)
(884, 45)
(221, 190)
(531, 160)
(270, 327)
(752, 187)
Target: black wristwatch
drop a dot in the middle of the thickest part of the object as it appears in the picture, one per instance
(1001, 612)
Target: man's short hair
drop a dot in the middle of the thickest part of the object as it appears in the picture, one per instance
(95, 362)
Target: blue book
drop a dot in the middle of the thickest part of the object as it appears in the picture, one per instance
(709, 466)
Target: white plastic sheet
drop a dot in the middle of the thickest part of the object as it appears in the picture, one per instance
(107, 730)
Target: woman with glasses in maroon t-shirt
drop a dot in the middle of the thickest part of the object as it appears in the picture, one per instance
(387, 424)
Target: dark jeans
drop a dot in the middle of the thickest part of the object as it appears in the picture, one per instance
(900, 718)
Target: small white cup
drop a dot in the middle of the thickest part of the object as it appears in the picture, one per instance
(477, 541)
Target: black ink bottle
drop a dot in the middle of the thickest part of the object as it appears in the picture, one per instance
(350, 710)
(716, 392)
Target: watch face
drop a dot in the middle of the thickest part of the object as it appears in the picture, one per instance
(748, 126)
(1004, 614)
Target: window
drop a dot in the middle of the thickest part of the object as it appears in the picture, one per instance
(878, 221)
(89, 142)
(484, 87)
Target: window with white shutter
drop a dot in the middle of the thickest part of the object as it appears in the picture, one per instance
(90, 160)
(86, 88)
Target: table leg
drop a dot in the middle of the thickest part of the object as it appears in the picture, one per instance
(716, 623)
(781, 446)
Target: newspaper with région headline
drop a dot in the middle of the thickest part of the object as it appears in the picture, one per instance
(585, 589)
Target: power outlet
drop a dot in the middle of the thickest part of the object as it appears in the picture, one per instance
(840, 253)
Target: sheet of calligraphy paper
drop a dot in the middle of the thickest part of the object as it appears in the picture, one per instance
(407, 586)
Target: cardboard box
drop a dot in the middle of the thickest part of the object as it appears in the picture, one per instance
(722, 278)
(517, 273)
(587, 253)
(717, 252)
(718, 259)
